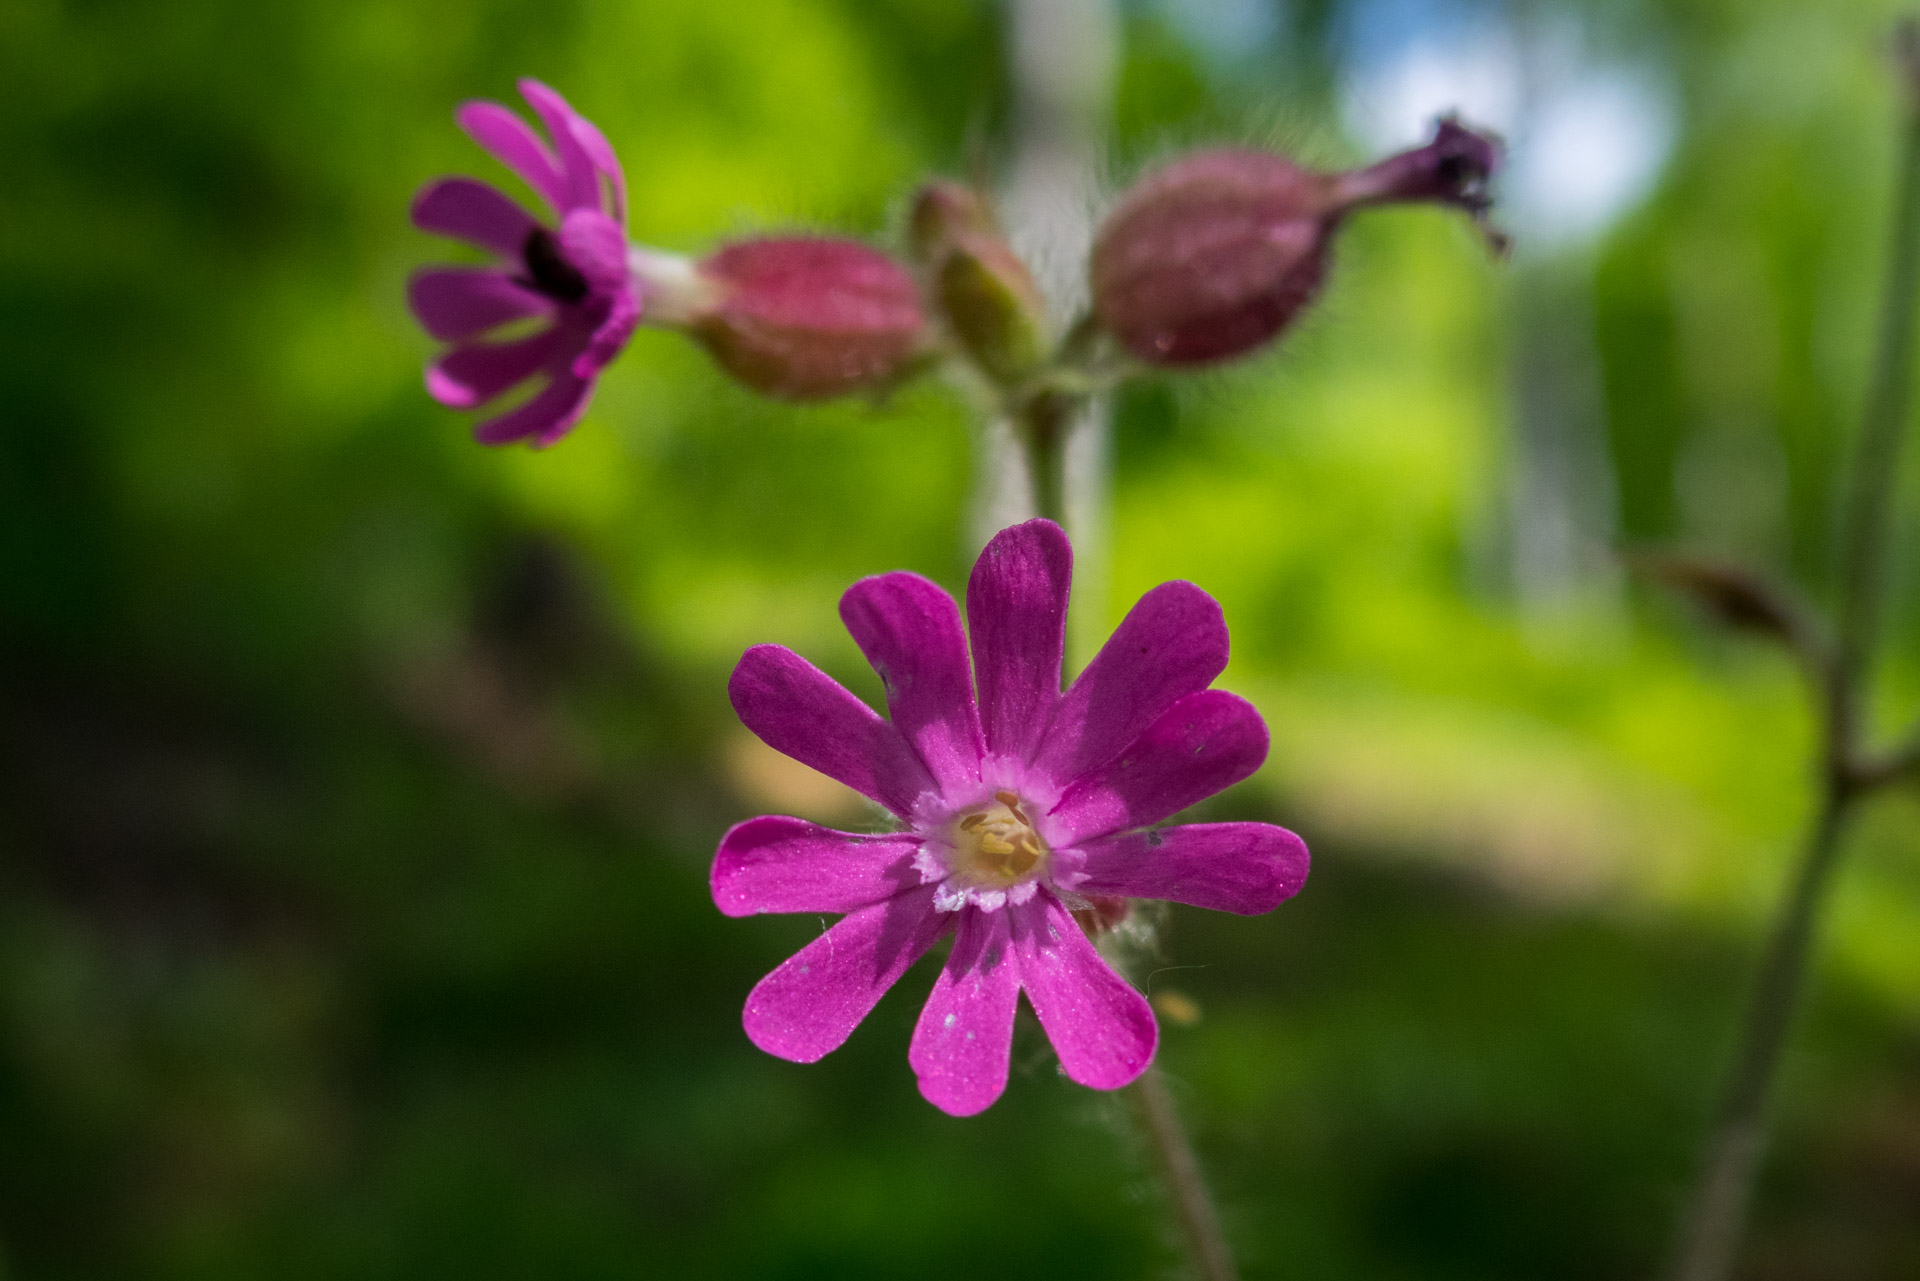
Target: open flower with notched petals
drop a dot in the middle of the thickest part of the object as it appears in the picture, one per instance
(1019, 804)
(574, 275)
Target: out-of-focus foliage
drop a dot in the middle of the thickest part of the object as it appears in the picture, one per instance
(359, 783)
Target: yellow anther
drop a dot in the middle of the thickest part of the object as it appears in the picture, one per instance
(997, 847)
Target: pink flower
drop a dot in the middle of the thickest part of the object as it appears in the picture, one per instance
(575, 275)
(1017, 807)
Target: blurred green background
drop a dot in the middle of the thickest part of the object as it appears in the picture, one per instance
(359, 783)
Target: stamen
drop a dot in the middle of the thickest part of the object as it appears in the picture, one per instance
(997, 847)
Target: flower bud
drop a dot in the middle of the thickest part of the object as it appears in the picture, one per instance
(807, 318)
(1212, 256)
(985, 293)
(943, 211)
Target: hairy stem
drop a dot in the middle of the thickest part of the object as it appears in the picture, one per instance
(1180, 1172)
(1710, 1237)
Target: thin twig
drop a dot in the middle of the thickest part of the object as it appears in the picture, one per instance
(1713, 1229)
(1901, 762)
(1180, 1172)
(1710, 1236)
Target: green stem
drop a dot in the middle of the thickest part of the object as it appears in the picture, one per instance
(1180, 1172)
(1865, 518)
(1710, 1236)
(1044, 423)
(1710, 1239)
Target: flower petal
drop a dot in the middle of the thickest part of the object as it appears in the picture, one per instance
(778, 864)
(472, 375)
(611, 335)
(798, 709)
(1100, 1027)
(582, 189)
(512, 141)
(810, 1005)
(1203, 744)
(1171, 644)
(1017, 617)
(470, 210)
(1248, 868)
(909, 629)
(596, 248)
(964, 1039)
(454, 303)
(600, 151)
(547, 417)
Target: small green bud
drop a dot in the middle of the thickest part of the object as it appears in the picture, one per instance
(985, 293)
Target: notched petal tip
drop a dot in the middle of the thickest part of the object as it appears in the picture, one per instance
(730, 868)
(960, 1106)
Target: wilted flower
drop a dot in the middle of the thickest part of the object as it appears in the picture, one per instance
(574, 275)
(1213, 255)
(1017, 808)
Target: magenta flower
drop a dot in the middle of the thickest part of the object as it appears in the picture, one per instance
(1017, 807)
(575, 276)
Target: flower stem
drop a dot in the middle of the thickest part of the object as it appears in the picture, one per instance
(1044, 422)
(1179, 1170)
(1710, 1236)
(1865, 518)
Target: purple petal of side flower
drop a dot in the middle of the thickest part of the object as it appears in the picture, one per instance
(1248, 868)
(511, 141)
(467, 209)
(810, 1005)
(1203, 744)
(909, 629)
(964, 1039)
(776, 864)
(546, 418)
(456, 303)
(1171, 644)
(601, 152)
(576, 166)
(798, 709)
(608, 340)
(1017, 618)
(473, 375)
(1100, 1027)
(596, 247)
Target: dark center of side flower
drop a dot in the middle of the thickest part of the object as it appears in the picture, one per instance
(548, 268)
(997, 846)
